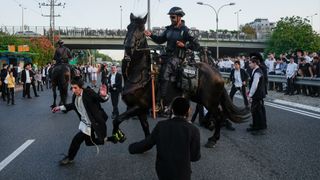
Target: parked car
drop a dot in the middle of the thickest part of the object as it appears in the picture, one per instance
(27, 33)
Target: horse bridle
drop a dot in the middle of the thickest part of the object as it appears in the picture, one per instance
(137, 43)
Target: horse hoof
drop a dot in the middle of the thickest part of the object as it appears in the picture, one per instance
(210, 144)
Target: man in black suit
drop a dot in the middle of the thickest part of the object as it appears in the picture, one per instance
(256, 96)
(27, 76)
(92, 117)
(239, 79)
(3, 75)
(115, 88)
(177, 141)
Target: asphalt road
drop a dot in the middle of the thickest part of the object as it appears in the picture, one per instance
(289, 150)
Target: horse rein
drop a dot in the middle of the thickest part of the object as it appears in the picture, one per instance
(137, 43)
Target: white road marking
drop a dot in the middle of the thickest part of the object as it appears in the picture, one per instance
(294, 107)
(13, 155)
(302, 106)
(305, 113)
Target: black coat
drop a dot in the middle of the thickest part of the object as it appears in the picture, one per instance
(178, 143)
(97, 116)
(117, 85)
(244, 75)
(24, 75)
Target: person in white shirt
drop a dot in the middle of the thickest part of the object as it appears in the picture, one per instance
(27, 76)
(256, 96)
(94, 76)
(92, 127)
(115, 87)
(270, 63)
(291, 72)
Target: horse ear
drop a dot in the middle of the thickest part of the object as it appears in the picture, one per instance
(145, 18)
(132, 17)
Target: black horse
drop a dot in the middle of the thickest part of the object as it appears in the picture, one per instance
(137, 90)
(60, 77)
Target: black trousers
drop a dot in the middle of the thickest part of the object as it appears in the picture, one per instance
(10, 95)
(199, 110)
(4, 90)
(115, 102)
(26, 90)
(258, 111)
(290, 86)
(34, 88)
(78, 140)
(234, 89)
(39, 85)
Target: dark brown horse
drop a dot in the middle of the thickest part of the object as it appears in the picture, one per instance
(60, 78)
(137, 90)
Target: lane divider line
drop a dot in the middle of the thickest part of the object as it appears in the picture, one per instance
(13, 155)
(305, 113)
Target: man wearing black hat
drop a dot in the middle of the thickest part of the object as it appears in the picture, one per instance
(177, 141)
(256, 95)
(26, 79)
(176, 35)
(3, 75)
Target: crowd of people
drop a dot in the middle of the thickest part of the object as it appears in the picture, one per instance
(300, 64)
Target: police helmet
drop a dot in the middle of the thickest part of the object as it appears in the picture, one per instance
(176, 11)
(60, 42)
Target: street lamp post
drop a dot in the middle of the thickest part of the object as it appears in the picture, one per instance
(238, 27)
(217, 20)
(22, 14)
(311, 16)
(120, 17)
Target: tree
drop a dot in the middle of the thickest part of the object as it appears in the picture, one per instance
(103, 56)
(292, 33)
(249, 31)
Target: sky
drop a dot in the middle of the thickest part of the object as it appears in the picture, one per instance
(106, 13)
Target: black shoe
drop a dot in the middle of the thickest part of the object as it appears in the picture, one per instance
(65, 161)
(13, 104)
(29, 97)
(230, 128)
(37, 96)
(258, 132)
(250, 129)
(286, 93)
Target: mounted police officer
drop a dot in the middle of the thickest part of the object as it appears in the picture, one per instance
(62, 54)
(179, 39)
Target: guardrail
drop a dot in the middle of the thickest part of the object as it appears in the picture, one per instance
(68, 31)
(278, 78)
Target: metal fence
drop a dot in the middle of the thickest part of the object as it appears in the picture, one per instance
(68, 31)
(276, 78)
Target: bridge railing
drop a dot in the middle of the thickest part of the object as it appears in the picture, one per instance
(67, 31)
(279, 78)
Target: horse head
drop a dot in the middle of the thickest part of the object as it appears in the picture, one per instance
(137, 53)
(135, 39)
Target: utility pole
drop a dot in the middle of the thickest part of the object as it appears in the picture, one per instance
(52, 15)
(149, 24)
(22, 9)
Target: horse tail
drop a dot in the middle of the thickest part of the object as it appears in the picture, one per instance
(234, 113)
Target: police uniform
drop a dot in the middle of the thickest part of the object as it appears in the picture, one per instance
(174, 54)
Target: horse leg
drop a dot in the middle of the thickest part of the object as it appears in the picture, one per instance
(63, 95)
(117, 134)
(144, 123)
(54, 90)
(217, 127)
